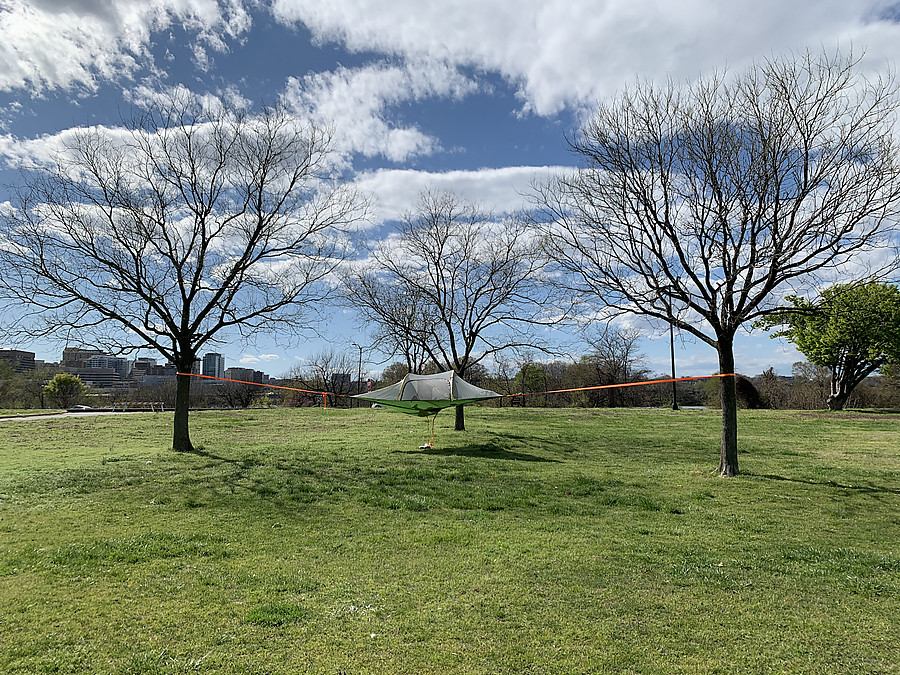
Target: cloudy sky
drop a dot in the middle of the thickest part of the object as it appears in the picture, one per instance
(475, 96)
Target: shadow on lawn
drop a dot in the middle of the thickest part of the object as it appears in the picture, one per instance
(868, 489)
(484, 450)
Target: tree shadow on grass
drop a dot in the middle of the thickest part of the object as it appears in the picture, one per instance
(866, 489)
(483, 450)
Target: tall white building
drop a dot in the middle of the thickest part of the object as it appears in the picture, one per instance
(214, 365)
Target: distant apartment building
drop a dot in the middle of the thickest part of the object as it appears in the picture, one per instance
(247, 375)
(242, 374)
(97, 377)
(155, 374)
(95, 367)
(19, 360)
(104, 361)
(214, 365)
(142, 365)
(77, 357)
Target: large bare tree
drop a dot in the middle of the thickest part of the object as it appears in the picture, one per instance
(701, 204)
(191, 224)
(454, 286)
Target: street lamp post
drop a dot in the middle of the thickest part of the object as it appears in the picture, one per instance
(358, 372)
(672, 352)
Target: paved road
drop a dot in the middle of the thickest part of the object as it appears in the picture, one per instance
(83, 413)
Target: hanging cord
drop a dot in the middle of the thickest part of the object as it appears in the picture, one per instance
(429, 432)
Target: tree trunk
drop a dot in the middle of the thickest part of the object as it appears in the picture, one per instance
(837, 401)
(460, 419)
(181, 438)
(728, 461)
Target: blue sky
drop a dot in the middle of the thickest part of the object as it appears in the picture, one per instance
(475, 96)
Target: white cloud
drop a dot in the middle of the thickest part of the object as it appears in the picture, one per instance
(499, 190)
(354, 102)
(63, 43)
(250, 359)
(572, 52)
(19, 153)
(557, 53)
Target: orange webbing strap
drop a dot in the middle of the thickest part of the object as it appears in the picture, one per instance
(429, 430)
(323, 394)
(613, 386)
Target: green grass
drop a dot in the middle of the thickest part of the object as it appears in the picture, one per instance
(539, 541)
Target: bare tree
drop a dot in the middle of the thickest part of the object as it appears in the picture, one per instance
(701, 204)
(191, 224)
(615, 359)
(398, 317)
(328, 371)
(455, 285)
(236, 395)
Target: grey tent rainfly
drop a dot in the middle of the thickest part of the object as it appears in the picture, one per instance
(427, 395)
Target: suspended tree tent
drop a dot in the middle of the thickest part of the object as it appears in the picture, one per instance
(426, 395)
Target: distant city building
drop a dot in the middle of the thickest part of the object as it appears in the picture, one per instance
(20, 361)
(117, 363)
(76, 357)
(242, 374)
(156, 374)
(195, 369)
(97, 377)
(213, 365)
(142, 365)
(247, 375)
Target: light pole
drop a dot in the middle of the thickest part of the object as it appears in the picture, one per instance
(672, 352)
(358, 372)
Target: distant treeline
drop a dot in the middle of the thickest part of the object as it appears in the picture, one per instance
(806, 389)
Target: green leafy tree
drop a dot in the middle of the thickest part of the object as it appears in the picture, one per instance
(530, 378)
(64, 390)
(853, 330)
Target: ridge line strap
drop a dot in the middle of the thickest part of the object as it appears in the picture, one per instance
(324, 394)
(613, 386)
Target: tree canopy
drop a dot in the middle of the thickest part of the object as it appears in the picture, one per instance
(64, 390)
(851, 329)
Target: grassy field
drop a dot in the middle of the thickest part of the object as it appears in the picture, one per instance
(557, 541)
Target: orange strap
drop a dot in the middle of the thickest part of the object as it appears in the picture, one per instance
(323, 394)
(613, 386)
